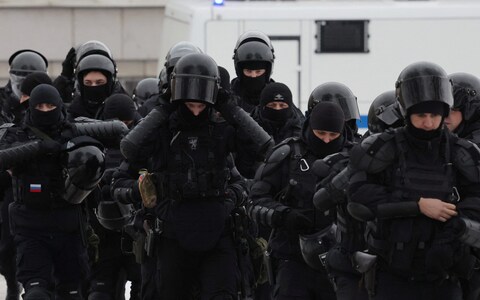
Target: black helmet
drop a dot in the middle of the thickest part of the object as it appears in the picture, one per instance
(113, 215)
(422, 82)
(177, 51)
(314, 247)
(85, 167)
(92, 47)
(22, 63)
(384, 112)
(145, 89)
(162, 79)
(253, 46)
(338, 93)
(466, 93)
(195, 77)
(96, 62)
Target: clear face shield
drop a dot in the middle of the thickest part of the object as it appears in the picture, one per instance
(16, 81)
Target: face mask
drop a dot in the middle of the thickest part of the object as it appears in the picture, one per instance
(254, 86)
(275, 115)
(190, 119)
(45, 119)
(322, 149)
(16, 82)
(96, 95)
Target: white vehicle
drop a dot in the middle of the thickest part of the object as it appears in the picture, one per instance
(363, 44)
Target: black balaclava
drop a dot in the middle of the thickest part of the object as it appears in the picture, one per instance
(326, 116)
(433, 107)
(119, 106)
(96, 95)
(34, 79)
(189, 120)
(45, 93)
(253, 86)
(276, 91)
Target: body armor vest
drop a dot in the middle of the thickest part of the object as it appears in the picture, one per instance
(197, 164)
(402, 241)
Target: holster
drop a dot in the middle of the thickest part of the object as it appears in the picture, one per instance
(269, 264)
(366, 264)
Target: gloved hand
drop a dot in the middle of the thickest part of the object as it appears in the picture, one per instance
(68, 64)
(296, 221)
(148, 191)
(224, 97)
(106, 195)
(50, 147)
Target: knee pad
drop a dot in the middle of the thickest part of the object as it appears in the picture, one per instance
(99, 296)
(37, 293)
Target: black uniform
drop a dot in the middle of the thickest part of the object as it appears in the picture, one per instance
(419, 257)
(281, 198)
(46, 222)
(196, 190)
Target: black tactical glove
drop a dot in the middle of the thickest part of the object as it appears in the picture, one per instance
(296, 221)
(50, 147)
(223, 100)
(68, 64)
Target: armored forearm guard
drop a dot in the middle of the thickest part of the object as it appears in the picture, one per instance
(18, 154)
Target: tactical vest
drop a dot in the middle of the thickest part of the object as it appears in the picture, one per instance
(402, 242)
(197, 164)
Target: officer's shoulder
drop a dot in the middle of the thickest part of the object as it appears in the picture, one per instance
(466, 159)
(282, 150)
(376, 152)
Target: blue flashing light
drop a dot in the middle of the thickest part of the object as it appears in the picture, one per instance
(218, 2)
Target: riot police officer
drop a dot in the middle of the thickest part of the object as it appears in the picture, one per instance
(175, 52)
(112, 268)
(66, 83)
(281, 198)
(464, 117)
(49, 183)
(196, 187)
(276, 112)
(418, 188)
(146, 89)
(96, 77)
(384, 113)
(343, 96)
(22, 63)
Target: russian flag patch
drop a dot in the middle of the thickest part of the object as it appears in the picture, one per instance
(35, 188)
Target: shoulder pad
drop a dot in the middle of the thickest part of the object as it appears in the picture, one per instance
(467, 159)
(375, 153)
(273, 161)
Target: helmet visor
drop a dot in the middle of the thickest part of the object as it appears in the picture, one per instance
(389, 114)
(426, 88)
(194, 87)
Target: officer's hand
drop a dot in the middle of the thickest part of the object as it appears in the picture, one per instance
(436, 209)
(69, 63)
(296, 221)
(50, 147)
(148, 191)
(223, 98)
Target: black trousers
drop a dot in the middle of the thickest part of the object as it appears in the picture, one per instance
(296, 280)
(393, 287)
(205, 275)
(58, 262)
